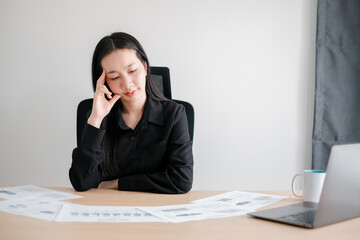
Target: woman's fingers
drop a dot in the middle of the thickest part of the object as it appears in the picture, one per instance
(105, 90)
(103, 102)
(108, 93)
(101, 81)
(114, 99)
(100, 86)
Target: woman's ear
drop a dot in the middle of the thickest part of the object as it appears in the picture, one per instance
(145, 66)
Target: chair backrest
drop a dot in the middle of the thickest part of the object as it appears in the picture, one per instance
(83, 112)
(161, 77)
(190, 114)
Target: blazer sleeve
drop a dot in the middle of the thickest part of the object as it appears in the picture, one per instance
(177, 176)
(85, 171)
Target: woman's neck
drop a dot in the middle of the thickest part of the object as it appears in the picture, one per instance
(134, 107)
(132, 112)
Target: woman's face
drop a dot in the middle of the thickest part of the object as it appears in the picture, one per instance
(125, 74)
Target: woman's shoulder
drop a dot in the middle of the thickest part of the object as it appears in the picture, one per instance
(170, 108)
(170, 105)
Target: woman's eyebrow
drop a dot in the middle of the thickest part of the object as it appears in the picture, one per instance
(130, 65)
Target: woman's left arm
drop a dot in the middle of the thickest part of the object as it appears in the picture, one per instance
(177, 176)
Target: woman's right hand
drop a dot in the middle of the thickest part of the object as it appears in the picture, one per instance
(101, 106)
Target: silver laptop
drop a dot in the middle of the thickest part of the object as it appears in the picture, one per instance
(340, 196)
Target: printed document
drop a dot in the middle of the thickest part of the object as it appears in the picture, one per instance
(246, 200)
(195, 211)
(42, 203)
(31, 206)
(81, 213)
(32, 190)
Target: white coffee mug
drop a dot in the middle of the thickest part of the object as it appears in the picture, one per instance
(312, 183)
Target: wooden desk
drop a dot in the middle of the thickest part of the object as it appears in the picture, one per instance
(243, 227)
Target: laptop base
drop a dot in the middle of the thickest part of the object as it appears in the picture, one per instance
(300, 214)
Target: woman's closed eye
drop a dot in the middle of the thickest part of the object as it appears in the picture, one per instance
(114, 78)
(130, 72)
(134, 70)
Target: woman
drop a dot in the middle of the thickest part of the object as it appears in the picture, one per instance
(134, 139)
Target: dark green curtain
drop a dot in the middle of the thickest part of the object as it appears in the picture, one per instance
(337, 94)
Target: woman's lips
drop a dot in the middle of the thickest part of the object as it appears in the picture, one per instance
(130, 94)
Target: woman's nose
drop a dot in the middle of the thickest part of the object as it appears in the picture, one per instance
(127, 83)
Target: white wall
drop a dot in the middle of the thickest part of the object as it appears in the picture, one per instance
(247, 66)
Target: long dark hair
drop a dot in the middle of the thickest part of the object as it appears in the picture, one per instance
(106, 45)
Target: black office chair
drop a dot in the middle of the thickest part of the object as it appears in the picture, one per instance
(190, 114)
(161, 78)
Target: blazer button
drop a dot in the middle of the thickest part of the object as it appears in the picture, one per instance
(132, 138)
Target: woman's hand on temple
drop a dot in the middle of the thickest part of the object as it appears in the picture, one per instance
(101, 106)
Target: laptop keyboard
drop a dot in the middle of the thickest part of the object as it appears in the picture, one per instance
(304, 217)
